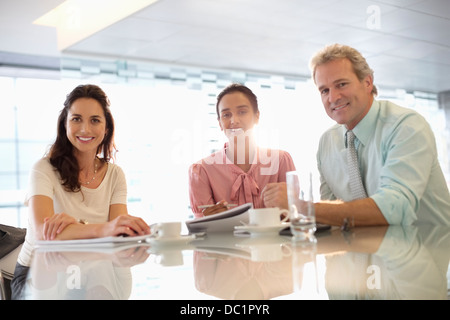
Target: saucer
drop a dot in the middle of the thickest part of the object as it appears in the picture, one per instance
(165, 241)
(262, 230)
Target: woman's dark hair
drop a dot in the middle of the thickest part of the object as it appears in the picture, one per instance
(237, 87)
(61, 152)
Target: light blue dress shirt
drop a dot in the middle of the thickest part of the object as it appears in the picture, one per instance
(398, 162)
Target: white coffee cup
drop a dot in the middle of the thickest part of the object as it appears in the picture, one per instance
(166, 229)
(264, 217)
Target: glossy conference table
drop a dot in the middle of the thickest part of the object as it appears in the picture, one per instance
(386, 263)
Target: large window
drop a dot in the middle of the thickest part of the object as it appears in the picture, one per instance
(165, 120)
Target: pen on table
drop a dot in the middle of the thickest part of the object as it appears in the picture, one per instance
(210, 205)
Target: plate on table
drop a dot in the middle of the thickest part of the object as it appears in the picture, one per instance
(261, 230)
(181, 240)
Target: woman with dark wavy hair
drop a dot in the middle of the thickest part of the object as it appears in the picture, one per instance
(75, 191)
(62, 155)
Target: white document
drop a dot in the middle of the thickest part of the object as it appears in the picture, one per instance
(98, 243)
(221, 222)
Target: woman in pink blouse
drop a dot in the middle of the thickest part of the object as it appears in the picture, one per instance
(241, 172)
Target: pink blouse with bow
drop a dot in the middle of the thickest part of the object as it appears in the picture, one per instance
(216, 178)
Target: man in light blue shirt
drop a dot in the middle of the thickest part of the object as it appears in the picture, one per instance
(396, 150)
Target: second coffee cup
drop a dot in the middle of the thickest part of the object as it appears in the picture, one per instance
(264, 217)
(166, 229)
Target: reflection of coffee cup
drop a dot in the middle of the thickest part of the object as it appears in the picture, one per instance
(166, 229)
(269, 252)
(169, 258)
(264, 217)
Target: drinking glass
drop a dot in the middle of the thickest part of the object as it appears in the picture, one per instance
(301, 205)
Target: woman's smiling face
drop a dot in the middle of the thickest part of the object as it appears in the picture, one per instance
(86, 125)
(236, 112)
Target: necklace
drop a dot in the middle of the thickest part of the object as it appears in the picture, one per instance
(93, 177)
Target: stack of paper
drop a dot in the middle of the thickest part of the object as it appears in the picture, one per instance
(90, 244)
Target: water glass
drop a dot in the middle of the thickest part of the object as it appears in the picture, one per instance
(301, 205)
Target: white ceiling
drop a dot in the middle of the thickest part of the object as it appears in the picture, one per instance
(409, 48)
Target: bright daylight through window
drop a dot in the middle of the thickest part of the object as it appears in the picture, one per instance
(165, 120)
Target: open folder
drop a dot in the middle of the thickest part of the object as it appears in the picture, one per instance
(221, 222)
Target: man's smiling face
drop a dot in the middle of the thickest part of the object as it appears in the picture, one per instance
(346, 99)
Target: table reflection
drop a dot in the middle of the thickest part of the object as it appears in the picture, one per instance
(391, 263)
(78, 275)
(244, 268)
(386, 263)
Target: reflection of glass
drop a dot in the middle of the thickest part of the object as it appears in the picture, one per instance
(301, 204)
(305, 277)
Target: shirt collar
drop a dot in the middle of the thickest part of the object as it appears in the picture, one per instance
(366, 126)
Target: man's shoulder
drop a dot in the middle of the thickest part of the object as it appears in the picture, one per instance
(391, 112)
(388, 107)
